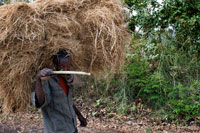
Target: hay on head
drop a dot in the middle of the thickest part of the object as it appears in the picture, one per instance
(31, 33)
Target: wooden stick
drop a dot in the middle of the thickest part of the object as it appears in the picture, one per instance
(71, 72)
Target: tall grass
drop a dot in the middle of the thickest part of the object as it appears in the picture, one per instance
(178, 65)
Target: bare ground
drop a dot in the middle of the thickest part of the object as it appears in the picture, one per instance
(31, 122)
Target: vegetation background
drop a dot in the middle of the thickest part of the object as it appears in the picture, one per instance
(162, 67)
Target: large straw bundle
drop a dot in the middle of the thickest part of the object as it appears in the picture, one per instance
(31, 33)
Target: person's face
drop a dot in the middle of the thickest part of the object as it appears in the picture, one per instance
(63, 65)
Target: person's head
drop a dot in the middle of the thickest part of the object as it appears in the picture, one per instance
(62, 60)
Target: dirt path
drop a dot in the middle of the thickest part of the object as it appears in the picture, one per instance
(30, 122)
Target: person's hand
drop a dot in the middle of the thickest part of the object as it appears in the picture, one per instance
(44, 72)
(83, 122)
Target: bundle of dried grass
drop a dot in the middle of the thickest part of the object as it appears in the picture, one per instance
(31, 33)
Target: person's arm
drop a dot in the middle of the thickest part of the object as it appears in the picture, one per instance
(40, 96)
(39, 92)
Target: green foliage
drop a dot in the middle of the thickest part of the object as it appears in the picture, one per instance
(1, 2)
(175, 64)
(181, 68)
(184, 101)
(182, 16)
(143, 83)
(148, 129)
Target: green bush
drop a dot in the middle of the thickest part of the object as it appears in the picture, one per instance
(144, 84)
(184, 102)
(180, 69)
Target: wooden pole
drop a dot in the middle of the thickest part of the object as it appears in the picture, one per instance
(71, 72)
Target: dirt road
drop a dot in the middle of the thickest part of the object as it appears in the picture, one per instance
(31, 122)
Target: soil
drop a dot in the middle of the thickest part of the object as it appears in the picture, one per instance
(98, 120)
(31, 122)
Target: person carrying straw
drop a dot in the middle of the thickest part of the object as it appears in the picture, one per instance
(53, 94)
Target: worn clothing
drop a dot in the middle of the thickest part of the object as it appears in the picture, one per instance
(62, 83)
(57, 110)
